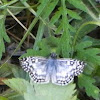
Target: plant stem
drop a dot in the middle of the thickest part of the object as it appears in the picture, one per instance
(24, 37)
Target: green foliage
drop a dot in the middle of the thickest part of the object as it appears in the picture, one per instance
(42, 6)
(10, 70)
(3, 35)
(88, 83)
(42, 92)
(11, 95)
(19, 73)
(47, 8)
(5, 70)
(83, 45)
(3, 98)
(95, 42)
(79, 4)
(64, 25)
(90, 55)
(73, 14)
(23, 0)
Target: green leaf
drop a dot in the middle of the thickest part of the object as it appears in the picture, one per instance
(23, 87)
(88, 83)
(71, 28)
(19, 73)
(65, 38)
(12, 95)
(64, 45)
(73, 14)
(90, 55)
(49, 8)
(45, 14)
(5, 4)
(28, 96)
(2, 48)
(42, 91)
(15, 8)
(42, 6)
(78, 4)
(5, 69)
(94, 51)
(59, 29)
(79, 34)
(83, 45)
(39, 35)
(74, 98)
(54, 92)
(11, 69)
(89, 68)
(55, 17)
(3, 31)
(87, 29)
(23, 0)
(3, 98)
(30, 52)
(45, 46)
(3, 35)
(20, 85)
(95, 42)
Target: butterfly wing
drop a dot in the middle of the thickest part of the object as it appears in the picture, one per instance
(65, 70)
(36, 67)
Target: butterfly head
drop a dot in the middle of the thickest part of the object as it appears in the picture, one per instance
(53, 55)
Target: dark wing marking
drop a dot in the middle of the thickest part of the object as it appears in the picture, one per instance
(36, 67)
(65, 71)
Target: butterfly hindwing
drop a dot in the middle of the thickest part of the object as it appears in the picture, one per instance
(36, 67)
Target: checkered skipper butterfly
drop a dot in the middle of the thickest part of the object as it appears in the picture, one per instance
(58, 71)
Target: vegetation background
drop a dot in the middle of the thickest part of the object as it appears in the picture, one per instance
(38, 27)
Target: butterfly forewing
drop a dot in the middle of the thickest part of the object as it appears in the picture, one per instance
(79, 67)
(66, 69)
(36, 67)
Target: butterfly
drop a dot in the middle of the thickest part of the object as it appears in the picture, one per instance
(58, 71)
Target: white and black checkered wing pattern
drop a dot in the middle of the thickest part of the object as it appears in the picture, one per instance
(66, 70)
(36, 67)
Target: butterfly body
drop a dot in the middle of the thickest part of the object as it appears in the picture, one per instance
(51, 63)
(58, 71)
